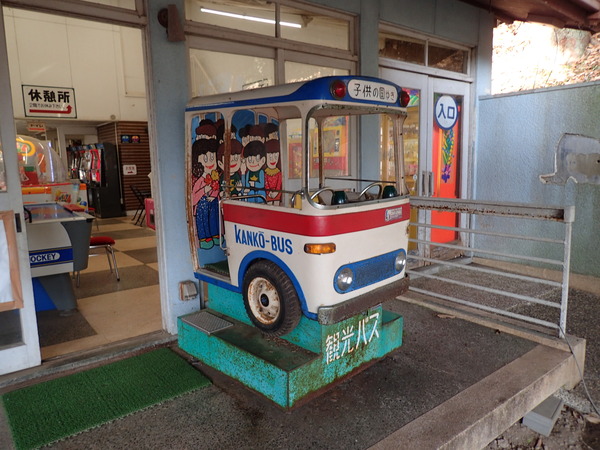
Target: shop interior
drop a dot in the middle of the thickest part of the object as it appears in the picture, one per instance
(116, 300)
(111, 117)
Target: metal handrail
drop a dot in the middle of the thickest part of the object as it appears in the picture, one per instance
(514, 211)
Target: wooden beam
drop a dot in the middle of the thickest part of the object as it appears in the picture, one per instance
(549, 20)
(590, 5)
(501, 15)
(567, 9)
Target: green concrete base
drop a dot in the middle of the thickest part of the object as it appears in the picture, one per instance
(306, 361)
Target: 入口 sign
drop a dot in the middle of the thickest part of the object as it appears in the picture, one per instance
(446, 112)
(47, 101)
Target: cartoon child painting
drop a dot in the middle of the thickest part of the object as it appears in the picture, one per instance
(273, 175)
(205, 191)
(254, 178)
(271, 131)
(236, 164)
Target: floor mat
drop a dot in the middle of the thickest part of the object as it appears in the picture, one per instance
(53, 410)
(55, 327)
(105, 282)
(113, 221)
(144, 255)
(125, 234)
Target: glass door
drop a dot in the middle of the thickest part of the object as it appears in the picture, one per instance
(434, 136)
(19, 342)
(415, 145)
(415, 136)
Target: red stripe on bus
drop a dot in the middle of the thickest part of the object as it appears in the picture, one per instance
(305, 225)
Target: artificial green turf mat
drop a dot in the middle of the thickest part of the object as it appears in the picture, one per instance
(59, 408)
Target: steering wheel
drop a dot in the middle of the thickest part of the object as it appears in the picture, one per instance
(324, 189)
(369, 187)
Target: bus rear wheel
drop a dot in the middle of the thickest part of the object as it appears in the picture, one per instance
(270, 299)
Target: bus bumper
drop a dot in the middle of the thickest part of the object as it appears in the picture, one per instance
(329, 315)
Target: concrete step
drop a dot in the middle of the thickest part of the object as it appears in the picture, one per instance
(477, 415)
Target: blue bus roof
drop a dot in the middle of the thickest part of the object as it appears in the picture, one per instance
(360, 90)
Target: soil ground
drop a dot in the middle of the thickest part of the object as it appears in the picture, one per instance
(572, 430)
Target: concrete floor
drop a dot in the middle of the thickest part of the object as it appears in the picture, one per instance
(454, 383)
(115, 310)
(458, 381)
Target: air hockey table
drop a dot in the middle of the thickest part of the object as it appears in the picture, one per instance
(58, 236)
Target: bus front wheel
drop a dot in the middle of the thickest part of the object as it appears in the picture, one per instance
(270, 299)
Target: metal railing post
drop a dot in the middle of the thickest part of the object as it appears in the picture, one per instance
(564, 299)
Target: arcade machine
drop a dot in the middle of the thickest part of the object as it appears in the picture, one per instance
(59, 241)
(44, 177)
(295, 254)
(58, 228)
(97, 166)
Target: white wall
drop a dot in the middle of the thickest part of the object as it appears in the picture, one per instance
(103, 63)
(448, 19)
(518, 135)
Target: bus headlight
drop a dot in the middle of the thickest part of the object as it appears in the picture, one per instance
(400, 261)
(344, 279)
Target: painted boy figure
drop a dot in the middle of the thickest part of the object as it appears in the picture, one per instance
(254, 178)
(236, 164)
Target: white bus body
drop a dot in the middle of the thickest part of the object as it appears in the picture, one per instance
(277, 227)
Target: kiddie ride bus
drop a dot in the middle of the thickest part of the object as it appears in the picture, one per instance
(285, 237)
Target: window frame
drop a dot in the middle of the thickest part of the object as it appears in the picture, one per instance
(81, 9)
(213, 38)
(199, 29)
(385, 28)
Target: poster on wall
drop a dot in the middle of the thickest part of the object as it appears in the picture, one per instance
(48, 101)
(11, 294)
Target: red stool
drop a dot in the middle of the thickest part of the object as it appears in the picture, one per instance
(105, 242)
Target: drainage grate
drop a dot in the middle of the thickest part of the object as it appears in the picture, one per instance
(206, 322)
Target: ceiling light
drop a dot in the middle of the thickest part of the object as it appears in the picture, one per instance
(252, 18)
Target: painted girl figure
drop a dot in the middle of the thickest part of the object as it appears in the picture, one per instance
(273, 176)
(205, 191)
